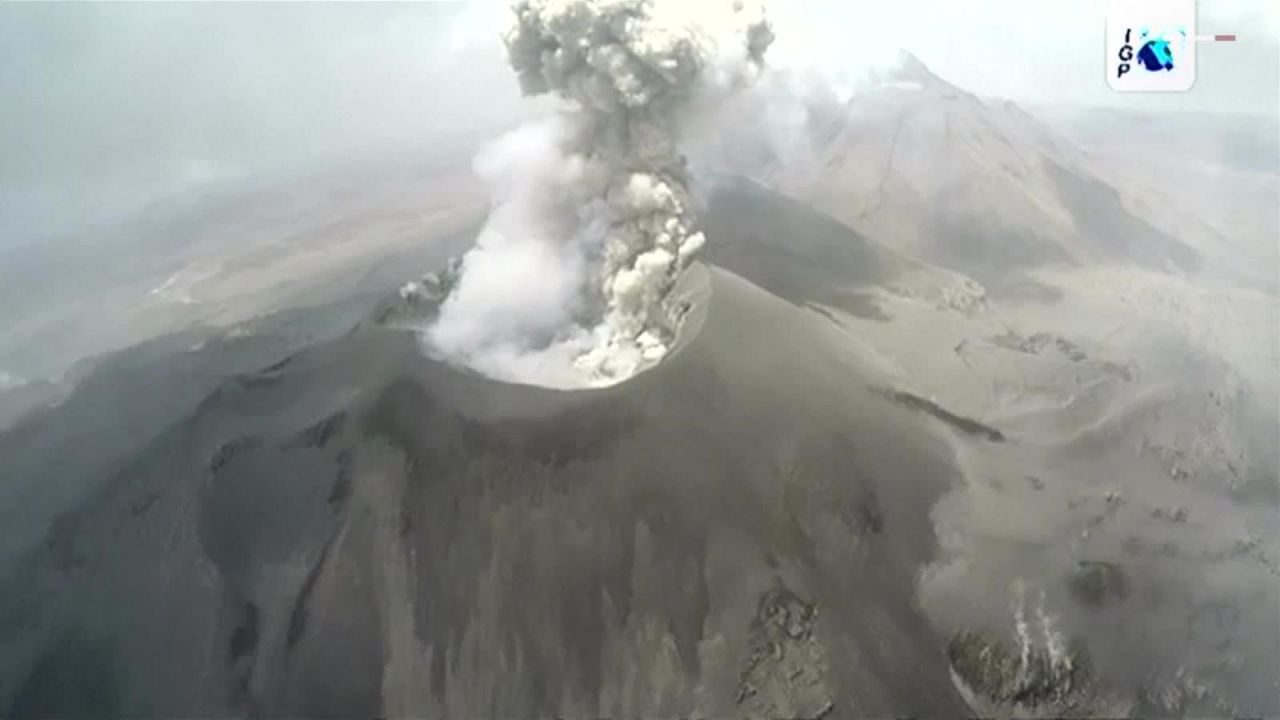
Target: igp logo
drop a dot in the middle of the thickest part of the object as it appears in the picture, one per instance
(1151, 45)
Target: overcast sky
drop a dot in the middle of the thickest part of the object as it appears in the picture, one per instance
(105, 105)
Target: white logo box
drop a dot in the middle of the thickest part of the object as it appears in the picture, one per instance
(1170, 20)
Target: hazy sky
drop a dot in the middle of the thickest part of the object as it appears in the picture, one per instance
(1044, 51)
(107, 104)
(104, 105)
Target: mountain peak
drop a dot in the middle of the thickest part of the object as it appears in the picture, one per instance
(909, 68)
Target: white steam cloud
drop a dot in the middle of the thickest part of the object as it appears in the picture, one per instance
(569, 283)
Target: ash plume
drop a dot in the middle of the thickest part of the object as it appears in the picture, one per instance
(569, 282)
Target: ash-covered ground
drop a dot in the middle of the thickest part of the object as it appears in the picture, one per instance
(310, 517)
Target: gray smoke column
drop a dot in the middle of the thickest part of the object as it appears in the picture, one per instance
(569, 282)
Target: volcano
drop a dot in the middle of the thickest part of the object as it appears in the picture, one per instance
(355, 529)
(794, 514)
(944, 429)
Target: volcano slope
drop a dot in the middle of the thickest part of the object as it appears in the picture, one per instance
(355, 529)
(857, 487)
(976, 186)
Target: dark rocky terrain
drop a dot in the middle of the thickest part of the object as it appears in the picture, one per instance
(352, 529)
(861, 486)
